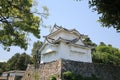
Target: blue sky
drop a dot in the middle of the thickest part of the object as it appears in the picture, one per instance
(70, 14)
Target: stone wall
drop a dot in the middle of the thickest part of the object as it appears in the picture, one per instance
(29, 73)
(101, 71)
(46, 70)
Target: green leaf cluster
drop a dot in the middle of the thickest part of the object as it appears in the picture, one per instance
(36, 54)
(106, 54)
(53, 77)
(87, 41)
(109, 10)
(19, 62)
(16, 22)
(16, 62)
(68, 75)
(2, 67)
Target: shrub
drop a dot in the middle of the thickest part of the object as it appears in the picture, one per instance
(68, 75)
(53, 77)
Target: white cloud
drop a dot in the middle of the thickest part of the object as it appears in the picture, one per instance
(2, 60)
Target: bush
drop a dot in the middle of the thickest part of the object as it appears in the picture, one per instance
(68, 75)
(53, 77)
(78, 77)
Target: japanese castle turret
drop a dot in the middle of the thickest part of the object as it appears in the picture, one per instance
(66, 44)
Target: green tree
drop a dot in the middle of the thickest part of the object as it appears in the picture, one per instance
(35, 52)
(2, 67)
(68, 75)
(19, 62)
(12, 62)
(106, 54)
(17, 21)
(109, 10)
(23, 61)
(88, 42)
(102, 44)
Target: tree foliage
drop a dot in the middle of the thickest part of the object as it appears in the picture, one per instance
(106, 54)
(12, 62)
(88, 42)
(103, 53)
(35, 52)
(109, 10)
(19, 62)
(68, 75)
(2, 67)
(23, 61)
(16, 22)
(16, 62)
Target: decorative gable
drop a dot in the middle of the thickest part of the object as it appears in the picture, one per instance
(68, 36)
